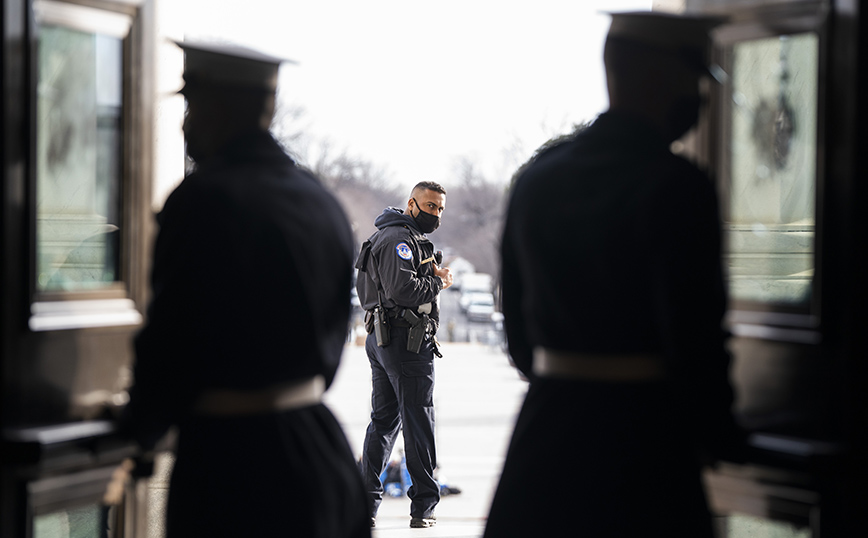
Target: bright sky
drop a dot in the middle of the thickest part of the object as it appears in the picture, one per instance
(414, 86)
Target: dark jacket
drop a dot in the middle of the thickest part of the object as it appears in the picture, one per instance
(251, 280)
(399, 266)
(612, 245)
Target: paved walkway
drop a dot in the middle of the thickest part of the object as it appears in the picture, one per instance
(476, 396)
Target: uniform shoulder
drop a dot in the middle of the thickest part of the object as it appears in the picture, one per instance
(551, 150)
(686, 173)
(193, 189)
(304, 173)
(391, 235)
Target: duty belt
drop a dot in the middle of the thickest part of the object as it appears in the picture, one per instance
(638, 367)
(292, 395)
(395, 319)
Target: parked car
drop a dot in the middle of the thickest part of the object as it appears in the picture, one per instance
(481, 307)
(474, 282)
(468, 297)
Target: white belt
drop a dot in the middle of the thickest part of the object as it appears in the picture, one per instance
(552, 363)
(294, 395)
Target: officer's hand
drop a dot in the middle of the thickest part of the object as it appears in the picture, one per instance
(445, 275)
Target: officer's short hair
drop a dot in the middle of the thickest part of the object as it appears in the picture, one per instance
(431, 186)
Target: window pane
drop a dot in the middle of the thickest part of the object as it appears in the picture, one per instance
(87, 522)
(78, 160)
(772, 164)
(738, 526)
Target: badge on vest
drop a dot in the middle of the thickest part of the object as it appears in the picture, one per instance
(404, 251)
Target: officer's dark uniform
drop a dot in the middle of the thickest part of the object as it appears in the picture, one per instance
(398, 275)
(611, 252)
(636, 270)
(251, 282)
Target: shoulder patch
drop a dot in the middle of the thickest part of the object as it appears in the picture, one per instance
(404, 251)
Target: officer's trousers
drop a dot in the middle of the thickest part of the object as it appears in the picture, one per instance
(600, 460)
(286, 473)
(403, 395)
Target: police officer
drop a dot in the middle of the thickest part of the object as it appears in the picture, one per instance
(251, 279)
(613, 300)
(398, 285)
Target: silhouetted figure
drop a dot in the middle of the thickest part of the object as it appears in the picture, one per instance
(398, 284)
(613, 301)
(251, 286)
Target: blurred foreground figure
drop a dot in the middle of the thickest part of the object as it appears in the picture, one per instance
(613, 300)
(251, 286)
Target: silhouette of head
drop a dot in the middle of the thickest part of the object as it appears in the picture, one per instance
(229, 90)
(654, 62)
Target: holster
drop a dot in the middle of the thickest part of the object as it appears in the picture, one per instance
(369, 321)
(418, 329)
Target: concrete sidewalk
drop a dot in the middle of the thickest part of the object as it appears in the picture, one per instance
(477, 395)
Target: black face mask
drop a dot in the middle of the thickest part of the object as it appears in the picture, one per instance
(426, 222)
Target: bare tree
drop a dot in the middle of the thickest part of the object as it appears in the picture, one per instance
(362, 187)
(475, 214)
(290, 129)
(476, 205)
